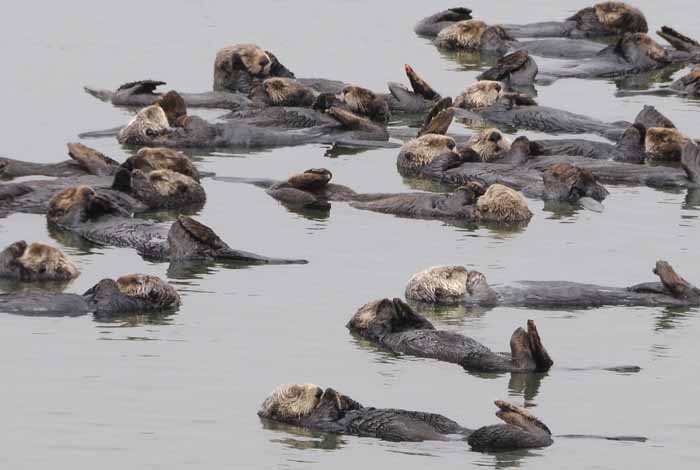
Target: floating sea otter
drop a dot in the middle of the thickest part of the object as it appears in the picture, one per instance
(36, 262)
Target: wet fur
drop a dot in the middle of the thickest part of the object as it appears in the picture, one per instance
(503, 205)
(488, 147)
(662, 144)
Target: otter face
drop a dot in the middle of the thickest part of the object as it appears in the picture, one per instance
(233, 62)
(148, 124)
(490, 144)
(502, 204)
(310, 180)
(166, 188)
(149, 159)
(174, 107)
(159, 294)
(566, 182)
(363, 101)
(438, 285)
(381, 317)
(621, 17)
(642, 50)
(36, 262)
(287, 92)
(418, 153)
(472, 35)
(445, 285)
(299, 403)
(77, 204)
(663, 144)
(481, 94)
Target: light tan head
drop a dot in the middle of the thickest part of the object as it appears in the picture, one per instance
(664, 144)
(46, 261)
(502, 204)
(620, 16)
(462, 35)
(36, 262)
(250, 57)
(310, 180)
(439, 284)
(169, 183)
(287, 92)
(290, 402)
(150, 288)
(66, 200)
(358, 99)
(490, 144)
(148, 124)
(480, 94)
(640, 48)
(149, 159)
(378, 318)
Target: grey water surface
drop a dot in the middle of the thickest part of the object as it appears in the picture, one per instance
(182, 391)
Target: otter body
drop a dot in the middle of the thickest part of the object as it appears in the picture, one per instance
(128, 294)
(450, 284)
(394, 326)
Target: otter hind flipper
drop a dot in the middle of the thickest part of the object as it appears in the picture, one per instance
(439, 118)
(141, 87)
(678, 40)
(675, 284)
(420, 86)
(505, 66)
(92, 161)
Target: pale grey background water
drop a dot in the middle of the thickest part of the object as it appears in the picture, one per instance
(182, 392)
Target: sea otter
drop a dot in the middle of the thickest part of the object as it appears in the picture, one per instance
(98, 219)
(36, 262)
(456, 284)
(84, 161)
(473, 202)
(602, 20)
(396, 327)
(496, 163)
(687, 86)
(133, 293)
(310, 407)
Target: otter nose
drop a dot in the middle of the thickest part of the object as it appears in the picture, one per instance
(495, 136)
(264, 61)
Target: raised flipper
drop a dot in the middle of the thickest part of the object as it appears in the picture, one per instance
(189, 239)
(510, 64)
(522, 430)
(649, 116)
(678, 40)
(690, 161)
(433, 24)
(439, 118)
(420, 86)
(92, 161)
(676, 285)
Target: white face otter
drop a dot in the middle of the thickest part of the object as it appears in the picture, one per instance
(490, 144)
(472, 35)
(481, 94)
(251, 57)
(502, 204)
(36, 262)
(150, 288)
(148, 123)
(167, 182)
(620, 16)
(291, 401)
(287, 92)
(444, 284)
(417, 153)
(149, 159)
(664, 144)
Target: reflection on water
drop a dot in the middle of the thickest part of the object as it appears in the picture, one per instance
(672, 317)
(645, 81)
(526, 385)
(304, 438)
(80, 245)
(469, 60)
(512, 459)
(692, 199)
(12, 285)
(132, 320)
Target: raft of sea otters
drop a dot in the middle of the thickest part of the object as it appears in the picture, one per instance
(98, 199)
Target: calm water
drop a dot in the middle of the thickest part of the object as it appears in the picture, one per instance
(182, 391)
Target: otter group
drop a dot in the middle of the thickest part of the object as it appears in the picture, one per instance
(100, 199)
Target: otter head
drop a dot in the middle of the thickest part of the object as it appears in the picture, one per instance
(174, 107)
(363, 101)
(449, 285)
(298, 404)
(287, 92)
(149, 159)
(473, 35)
(610, 19)
(148, 124)
(416, 154)
(664, 144)
(235, 67)
(78, 204)
(381, 317)
(132, 293)
(36, 262)
(165, 189)
(490, 144)
(481, 94)
(566, 182)
(310, 180)
(501, 204)
(641, 50)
